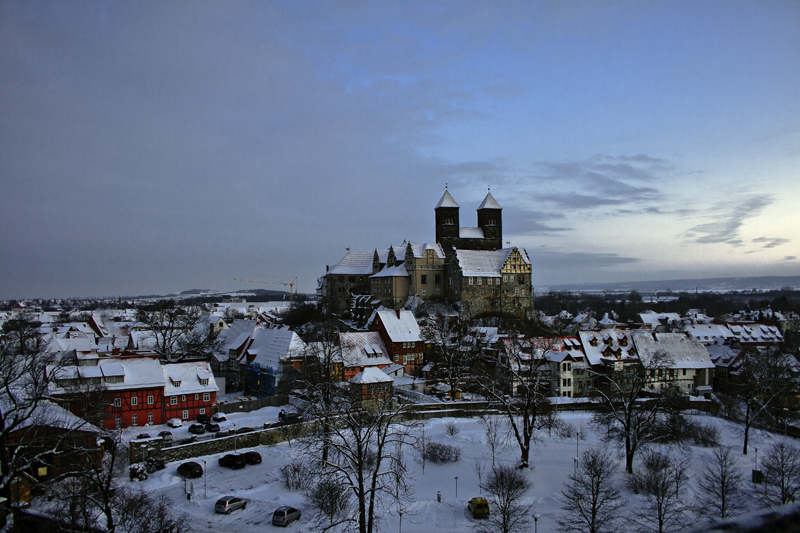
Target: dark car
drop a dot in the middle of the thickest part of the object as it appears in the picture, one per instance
(227, 504)
(233, 460)
(190, 470)
(212, 427)
(219, 417)
(252, 458)
(143, 436)
(203, 419)
(197, 429)
(290, 417)
(166, 435)
(284, 515)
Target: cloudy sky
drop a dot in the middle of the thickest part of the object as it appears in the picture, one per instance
(159, 146)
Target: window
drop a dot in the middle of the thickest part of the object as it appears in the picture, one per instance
(424, 292)
(134, 400)
(684, 371)
(173, 400)
(520, 279)
(480, 280)
(149, 418)
(424, 279)
(117, 422)
(196, 396)
(185, 414)
(202, 410)
(150, 399)
(505, 278)
(497, 281)
(206, 396)
(117, 402)
(437, 279)
(204, 381)
(470, 281)
(437, 291)
(183, 397)
(134, 420)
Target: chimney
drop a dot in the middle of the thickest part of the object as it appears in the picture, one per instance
(398, 313)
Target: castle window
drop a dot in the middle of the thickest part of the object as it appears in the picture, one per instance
(424, 292)
(437, 279)
(480, 280)
(424, 279)
(470, 280)
(497, 281)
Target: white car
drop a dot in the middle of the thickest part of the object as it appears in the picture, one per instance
(219, 417)
(175, 422)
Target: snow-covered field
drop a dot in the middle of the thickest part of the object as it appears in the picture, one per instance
(552, 462)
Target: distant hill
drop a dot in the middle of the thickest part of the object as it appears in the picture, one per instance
(763, 283)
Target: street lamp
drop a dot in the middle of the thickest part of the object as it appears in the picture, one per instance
(575, 460)
(205, 477)
(535, 522)
(456, 486)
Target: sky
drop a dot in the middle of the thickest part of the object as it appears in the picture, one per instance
(151, 147)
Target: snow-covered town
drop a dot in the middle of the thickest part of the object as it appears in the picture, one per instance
(124, 399)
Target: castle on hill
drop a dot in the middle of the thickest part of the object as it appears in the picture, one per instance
(466, 266)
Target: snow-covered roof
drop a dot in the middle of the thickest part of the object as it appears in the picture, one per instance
(138, 372)
(185, 378)
(446, 201)
(355, 263)
(756, 333)
(371, 374)
(362, 349)
(615, 342)
(470, 233)
(402, 328)
(418, 249)
(685, 352)
(659, 319)
(398, 271)
(486, 263)
(489, 202)
(270, 344)
(709, 333)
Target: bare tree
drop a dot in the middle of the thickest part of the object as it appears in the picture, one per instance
(662, 480)
(590, 500)
(449, 336)
(178, 332)
(781, 467)
(763, 382)
(363, 456)
(496, 432)
(330, 499)
(507, 486)
(720, 487)
(517, 381)
(627, 413)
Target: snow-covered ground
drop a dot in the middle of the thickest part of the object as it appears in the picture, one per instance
(552, 462)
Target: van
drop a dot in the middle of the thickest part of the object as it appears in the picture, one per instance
(479, 507)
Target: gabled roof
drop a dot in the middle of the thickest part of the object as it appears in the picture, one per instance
(363, 349)
(398, 271)
(403, 328)
(489, 203)
(446, 201)
(270, 345)
(355, 263)
(486, 263)
(418, 249)
(371, 374)
(184, 378)
(685, 352)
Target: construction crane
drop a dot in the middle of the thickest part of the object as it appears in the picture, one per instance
(289, 284)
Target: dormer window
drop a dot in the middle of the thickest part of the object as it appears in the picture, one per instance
(204, 382)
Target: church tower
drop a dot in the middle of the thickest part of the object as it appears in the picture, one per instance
(447, 225)
(490, 220)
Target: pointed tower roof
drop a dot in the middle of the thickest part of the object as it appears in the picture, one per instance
(489, 203)
(446, 201)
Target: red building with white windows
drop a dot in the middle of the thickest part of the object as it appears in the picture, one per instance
(189, 390)
(400, 334)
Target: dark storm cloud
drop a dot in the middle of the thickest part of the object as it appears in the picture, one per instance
(727, 220)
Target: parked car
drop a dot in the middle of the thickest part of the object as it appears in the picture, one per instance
(212, 427)
(284, 515)
(252, 458)
(197, 429)
(174, 422)
(166, 435)
(290, 417)
(219, 417)
(479, 507)
(143, 436)
(228, 504)
(203, 419)
(233, 460)
(190, 470)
